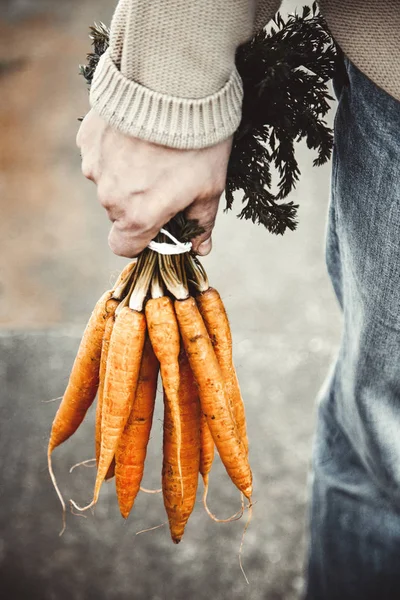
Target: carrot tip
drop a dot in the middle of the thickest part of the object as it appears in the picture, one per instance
(176, 540)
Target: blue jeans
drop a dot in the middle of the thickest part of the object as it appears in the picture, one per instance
(355, 509)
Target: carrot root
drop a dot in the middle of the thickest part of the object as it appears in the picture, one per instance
(131, 451)
(84, 378)
(250, 507)
(214, 315)
(82, 508)
(238, 515)
(146, 491)
(52, 400)
(54, 482)
(150, 529)
(164, 336)
(214, 402)
(90, 462)
(119, 386)
(76, 514)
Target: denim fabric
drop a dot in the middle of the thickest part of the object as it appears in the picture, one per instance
(355, 509)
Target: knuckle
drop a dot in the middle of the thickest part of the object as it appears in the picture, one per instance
(104, 198)
(79, 135)
(136, 223)
(205, 195)
(211, 194)
(218, 187)
(87, 170)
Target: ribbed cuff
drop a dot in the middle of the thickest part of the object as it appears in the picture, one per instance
(175, 122)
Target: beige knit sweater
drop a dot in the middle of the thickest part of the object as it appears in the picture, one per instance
(169, 75)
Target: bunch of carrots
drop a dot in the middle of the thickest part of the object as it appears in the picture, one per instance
(160, 317)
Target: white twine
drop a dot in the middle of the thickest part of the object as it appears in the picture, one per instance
(167, 249)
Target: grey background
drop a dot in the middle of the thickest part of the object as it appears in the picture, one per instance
(54, 264)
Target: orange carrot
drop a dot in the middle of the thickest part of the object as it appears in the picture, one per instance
(214, 403)
(216, 321)
(102, 376)
(180, 508)
(206, 449)
(84, 378)
(82, 385)
(206, 460)
(164, 336)
(132, 446)
(123, 364)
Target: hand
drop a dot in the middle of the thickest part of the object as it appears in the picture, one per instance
(143, 185)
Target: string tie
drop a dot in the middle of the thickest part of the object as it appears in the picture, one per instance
(166, 248)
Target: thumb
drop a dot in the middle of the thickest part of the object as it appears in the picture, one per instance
(205, 212)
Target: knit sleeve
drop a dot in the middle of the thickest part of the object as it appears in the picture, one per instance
(169, 75)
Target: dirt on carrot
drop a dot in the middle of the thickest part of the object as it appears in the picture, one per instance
(165, 339)
(214, 402)
(216, 321)
(179, 506)
(123, 364)
(132, 447)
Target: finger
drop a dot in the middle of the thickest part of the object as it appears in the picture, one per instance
(143, 217)
(88, 169)
(81, 135)
(90, 129)
(205, 247)
(115, 205)
(128, 243)
(205, 212)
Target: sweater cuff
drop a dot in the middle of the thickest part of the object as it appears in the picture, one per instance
(182, 123)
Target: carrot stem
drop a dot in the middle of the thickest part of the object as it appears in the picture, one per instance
(198, 276)
(142, 284)
(173, 276)
(157, 288)
(139, 282)
(123, 281)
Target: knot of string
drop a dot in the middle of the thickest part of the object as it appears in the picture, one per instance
(166, 248)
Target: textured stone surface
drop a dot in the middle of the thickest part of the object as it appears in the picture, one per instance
(54, 264)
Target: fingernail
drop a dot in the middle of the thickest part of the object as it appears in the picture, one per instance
(204, 247)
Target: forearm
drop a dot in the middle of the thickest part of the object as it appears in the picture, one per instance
(169, 76)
